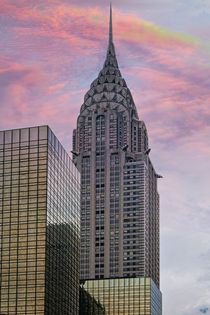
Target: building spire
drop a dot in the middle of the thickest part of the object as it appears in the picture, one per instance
(111, 56)
(110, 26)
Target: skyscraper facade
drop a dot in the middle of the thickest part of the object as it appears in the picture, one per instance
(40, 226)
(119, 197)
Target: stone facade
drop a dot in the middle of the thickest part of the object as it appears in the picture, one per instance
(119, 198)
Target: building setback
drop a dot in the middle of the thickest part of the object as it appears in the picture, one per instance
(119, 197)
(40, 204)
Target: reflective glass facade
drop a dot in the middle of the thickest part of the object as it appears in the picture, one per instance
(88, 304)
(133, 296)
(39, 215)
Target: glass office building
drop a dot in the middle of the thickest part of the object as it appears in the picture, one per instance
(39, 216)
(123, 296)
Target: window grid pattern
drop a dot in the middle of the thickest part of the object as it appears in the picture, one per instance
(87, 133)
(23, 207)
(62, 232)
(100, 196)
(134, 220)
(23, 214)
(133, 296)
(114, 214)
(153, 226)
(85, 217)
(113, 131)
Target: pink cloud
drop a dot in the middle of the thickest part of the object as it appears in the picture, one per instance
(60, 20)
(23, 87)
(60, 50)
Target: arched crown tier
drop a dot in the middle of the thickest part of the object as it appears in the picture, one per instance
(109, 85)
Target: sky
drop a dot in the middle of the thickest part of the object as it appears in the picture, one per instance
(51, 51)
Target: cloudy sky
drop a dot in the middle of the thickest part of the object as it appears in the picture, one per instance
(50, 52)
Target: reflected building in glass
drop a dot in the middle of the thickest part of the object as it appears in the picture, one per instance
(125, 296)
(40, 205)
(88, 305)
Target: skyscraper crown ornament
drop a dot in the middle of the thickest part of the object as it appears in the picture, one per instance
(110, 86)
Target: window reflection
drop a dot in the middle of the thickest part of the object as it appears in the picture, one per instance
(133, 296)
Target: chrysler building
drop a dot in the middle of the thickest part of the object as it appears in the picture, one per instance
(119, 197)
